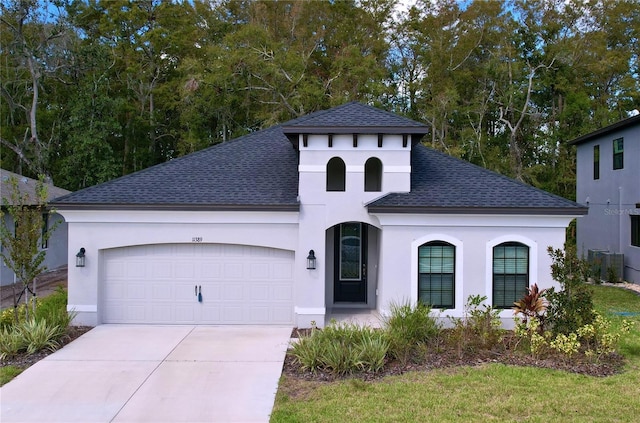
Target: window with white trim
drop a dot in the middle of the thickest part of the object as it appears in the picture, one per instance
(373, 175)
(436, 274)
(510, 273)
(336, 171)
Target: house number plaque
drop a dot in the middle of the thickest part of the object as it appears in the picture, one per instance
(196, 239)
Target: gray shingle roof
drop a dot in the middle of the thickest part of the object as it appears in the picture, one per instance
(257, 171)
(444, 184)
(26, 186)
(260, 172)
(622, 124)
(354, 117)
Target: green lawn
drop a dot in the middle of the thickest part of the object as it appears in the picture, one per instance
(486, 393)
(7, 373)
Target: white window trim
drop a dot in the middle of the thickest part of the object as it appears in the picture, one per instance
(533, 265)
(458, 270)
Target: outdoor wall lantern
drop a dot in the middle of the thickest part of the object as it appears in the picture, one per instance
(311, 260)
(80, 258)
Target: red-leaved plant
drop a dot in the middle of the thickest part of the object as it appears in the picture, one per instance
(532, 305)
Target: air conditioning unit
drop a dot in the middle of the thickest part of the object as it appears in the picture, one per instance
(605, 265)
(595, 258)
(613, 267)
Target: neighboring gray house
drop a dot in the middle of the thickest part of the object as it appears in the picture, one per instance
(608, 183)
(338, 211)
(56, 245)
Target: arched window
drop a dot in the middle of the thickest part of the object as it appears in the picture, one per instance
(373, 175)
(336, 174)
(436, 274)
(510, 273)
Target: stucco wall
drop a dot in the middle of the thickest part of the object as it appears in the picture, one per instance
(474, 238)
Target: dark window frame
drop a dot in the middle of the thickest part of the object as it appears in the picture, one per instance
(373, 175)
(635, 230)
(596, 162)
(511, 292)
(44, 241)
(618, 154)
(336, 175)
(425, 278)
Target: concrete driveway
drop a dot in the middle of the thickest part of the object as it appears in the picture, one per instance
(123, 373)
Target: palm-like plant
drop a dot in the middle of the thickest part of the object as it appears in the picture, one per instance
(532, 305)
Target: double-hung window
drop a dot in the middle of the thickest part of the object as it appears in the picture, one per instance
(510, 273)
(596, 162)
(635, 230)
(436, 274)
(618, 153)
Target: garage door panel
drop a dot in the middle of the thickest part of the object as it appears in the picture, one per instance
(184, 270)
(136, 269)
(136, 313)
(259, 271)
(161, 292)
(155, 284)
(211, 271)
(233, 270)
(232, 314)
(232, 292)
(161, 270)
(115, 291)
(161, 312)
(210, 315)
(136, 291)
(259, 292)
(115, 270)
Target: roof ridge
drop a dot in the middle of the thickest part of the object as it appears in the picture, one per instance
(361, 109)
(315, 114)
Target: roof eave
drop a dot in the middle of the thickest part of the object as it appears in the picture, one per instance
(302, 129)
(178, 207)
(606, 130)
(540, 211)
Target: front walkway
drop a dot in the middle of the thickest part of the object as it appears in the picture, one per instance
(354, 315)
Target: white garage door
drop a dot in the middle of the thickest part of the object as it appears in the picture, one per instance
(160, 284)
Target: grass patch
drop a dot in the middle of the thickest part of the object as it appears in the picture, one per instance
(493, 392)
(7, 373)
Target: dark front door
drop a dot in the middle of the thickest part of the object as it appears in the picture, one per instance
(350, 279)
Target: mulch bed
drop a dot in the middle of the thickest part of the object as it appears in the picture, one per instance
(448, 357)
(26, 360)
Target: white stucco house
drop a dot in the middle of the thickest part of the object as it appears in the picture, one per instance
(223, 235)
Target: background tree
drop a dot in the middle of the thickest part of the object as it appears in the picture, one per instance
(33, 43)
(21, 250)
(122, 85)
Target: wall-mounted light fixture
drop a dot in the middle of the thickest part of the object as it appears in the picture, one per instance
(80, 258)
(311, 260)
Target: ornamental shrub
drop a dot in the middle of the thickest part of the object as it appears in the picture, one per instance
(408, 328)
(571, 307)
(341, 348)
